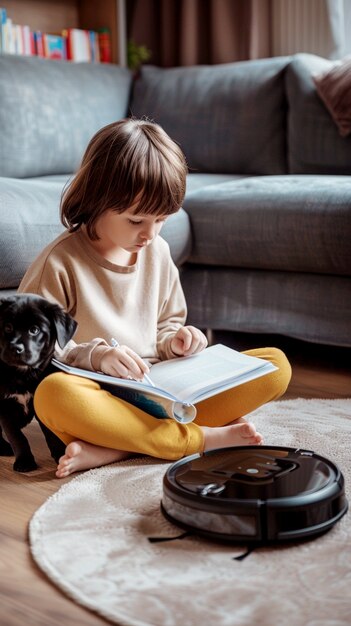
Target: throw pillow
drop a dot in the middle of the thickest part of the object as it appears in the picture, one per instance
(334, 88)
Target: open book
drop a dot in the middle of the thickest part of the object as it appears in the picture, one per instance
(182, 382)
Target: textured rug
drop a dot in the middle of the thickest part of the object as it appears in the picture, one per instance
(91, 539)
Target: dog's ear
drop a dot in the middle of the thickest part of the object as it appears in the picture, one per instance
(65, 325)
(4, 303)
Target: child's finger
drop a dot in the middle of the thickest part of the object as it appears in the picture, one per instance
(198, 341)
(134, 363)
(187, 338)
(124, 362)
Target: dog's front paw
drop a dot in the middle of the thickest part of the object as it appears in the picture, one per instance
(25, 464)
(5, 448)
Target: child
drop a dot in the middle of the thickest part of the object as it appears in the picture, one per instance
(114, 274)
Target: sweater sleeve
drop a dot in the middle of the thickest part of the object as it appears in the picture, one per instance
(50, 278)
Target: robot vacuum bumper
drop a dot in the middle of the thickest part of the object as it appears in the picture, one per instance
(254, 494)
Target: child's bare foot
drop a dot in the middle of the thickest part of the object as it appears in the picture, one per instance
(236, 434)
(80, 455)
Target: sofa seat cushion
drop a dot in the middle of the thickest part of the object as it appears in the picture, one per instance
(199, 180)
(30, 219)
(227, 118)
(291, 223)
(314, 142)
(54, 178)
(49, 110)
(313, 307)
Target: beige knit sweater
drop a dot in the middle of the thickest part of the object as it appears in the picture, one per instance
(142, 306)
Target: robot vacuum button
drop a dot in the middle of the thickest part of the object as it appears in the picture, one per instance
(212, 489)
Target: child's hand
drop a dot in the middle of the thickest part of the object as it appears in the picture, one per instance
(188, 340)
(123, 362)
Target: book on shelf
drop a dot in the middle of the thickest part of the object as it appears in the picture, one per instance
(73, 44)
(8, 39)
(78, 44)
(95, 48)
(54, 47)
(83, 45)
(23, 40)
(182, 382)
(104, 45)
(3, 18)
(15, 38)
(38, 43)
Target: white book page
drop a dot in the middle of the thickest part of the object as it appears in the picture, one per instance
(185, 377)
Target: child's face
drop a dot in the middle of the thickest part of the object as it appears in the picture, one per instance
(128, 231)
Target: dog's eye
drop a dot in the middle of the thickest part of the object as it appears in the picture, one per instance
(34, 330)
(8, 328)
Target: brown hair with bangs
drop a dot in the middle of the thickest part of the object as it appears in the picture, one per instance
(125, 161)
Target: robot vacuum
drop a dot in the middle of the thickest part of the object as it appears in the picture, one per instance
(254, 494)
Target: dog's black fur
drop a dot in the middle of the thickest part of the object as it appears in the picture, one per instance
(29, 328)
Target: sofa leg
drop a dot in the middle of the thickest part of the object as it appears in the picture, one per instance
(209, 335)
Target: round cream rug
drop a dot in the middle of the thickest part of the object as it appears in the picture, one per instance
(91, 539)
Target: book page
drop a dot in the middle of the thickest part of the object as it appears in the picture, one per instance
(217, 366)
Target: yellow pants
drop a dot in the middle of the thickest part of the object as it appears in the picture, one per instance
(77, 408)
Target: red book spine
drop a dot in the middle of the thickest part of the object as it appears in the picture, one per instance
(105, 46)
(39, 44)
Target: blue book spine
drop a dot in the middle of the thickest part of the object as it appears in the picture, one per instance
(3, 18)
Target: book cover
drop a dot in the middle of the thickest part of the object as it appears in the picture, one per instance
(54, 46)
(155, 401)
(181, 382)
(78, 44)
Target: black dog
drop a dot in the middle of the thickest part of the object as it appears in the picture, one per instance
(29, 328)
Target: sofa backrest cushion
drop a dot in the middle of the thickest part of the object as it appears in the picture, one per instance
(30, 220)
(228, 118)
(29, 217)
(314, 142)
(49, 111)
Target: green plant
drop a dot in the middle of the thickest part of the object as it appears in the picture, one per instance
(136, 55)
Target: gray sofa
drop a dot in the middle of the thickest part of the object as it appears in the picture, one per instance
(264, 239)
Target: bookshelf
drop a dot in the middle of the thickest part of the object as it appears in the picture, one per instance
(52, 16)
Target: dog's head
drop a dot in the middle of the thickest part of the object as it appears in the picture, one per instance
(29, 327)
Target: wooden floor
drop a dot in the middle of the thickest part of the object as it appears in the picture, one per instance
(26, 596)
